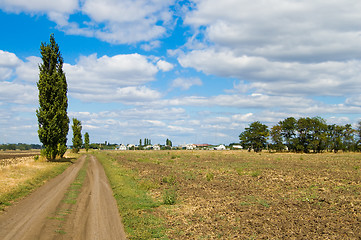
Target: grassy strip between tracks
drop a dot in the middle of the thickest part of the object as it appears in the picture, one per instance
(20, 180)
(137, 209)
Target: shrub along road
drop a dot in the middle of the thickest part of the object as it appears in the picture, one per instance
(77, 204)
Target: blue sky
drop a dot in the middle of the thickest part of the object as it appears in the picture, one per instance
(192, 71)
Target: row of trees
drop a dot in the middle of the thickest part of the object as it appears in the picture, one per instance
(302, 135)
(77, 137)
(146, 142)
(19, 146)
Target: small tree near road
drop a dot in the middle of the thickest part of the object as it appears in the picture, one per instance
(86, 141)
(77, 140)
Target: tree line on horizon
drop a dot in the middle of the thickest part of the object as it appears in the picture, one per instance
(306, 134)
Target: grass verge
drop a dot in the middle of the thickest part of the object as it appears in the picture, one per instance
(70, 197)
(137, 208)
(23, 179)
(75, 188)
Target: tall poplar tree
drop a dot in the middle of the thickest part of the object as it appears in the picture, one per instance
(77, 140)
(52, 114)
(86, 141)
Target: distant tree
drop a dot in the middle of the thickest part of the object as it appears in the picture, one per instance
(140, 142)
(318, 138)
(168, 143)
(335, 137)
(276, 136)
(77, 140)
(289, 131)
(304, 129)
(348, 138)
(147, 142)
(358, 135)
(86, 141)
(52, 114)
(254, 137)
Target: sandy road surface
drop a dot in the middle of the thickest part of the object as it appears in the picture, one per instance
(45, 214)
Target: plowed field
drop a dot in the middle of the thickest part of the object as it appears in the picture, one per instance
(241, 195)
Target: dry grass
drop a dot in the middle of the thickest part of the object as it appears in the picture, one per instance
(20, 176)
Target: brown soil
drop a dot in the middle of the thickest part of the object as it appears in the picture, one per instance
(240, 195)
(46, 214)
(17, 154)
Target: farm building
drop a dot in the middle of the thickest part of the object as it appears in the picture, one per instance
(122, 147)
(220, 147)
(130, 146)
(156, 147)
(237, 147)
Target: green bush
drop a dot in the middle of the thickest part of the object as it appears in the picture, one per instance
(209, 176)
(170, 180)
(170, 197)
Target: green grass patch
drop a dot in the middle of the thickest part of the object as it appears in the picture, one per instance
(209, 176)
(169, 179)
(75, 188)
(137, 208)
(253, 200)
(170, 196)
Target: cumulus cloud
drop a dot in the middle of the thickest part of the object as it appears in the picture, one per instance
(282, 30)
(277, 47)
(64, 6)
(18, 93)
(8, 62)
(17, 79)
(118, 22)
(120, 78)
(186, 83)
(275, 77)
(117, 78)
(241, 101)
(164, 66)
(29, 71)
(151, 45)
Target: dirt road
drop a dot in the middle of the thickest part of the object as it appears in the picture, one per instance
(51, 213)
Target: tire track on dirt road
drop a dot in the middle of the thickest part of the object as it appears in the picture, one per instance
(94, 214)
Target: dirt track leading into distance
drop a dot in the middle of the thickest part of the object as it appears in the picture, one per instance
(46, 214)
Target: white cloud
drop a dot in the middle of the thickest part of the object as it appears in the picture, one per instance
(118, 22)
(241, 101)
(29, 71)
(354, 101)
(8, 59)
(127, 21)
(278, 29)
(64, 6)
(156, 123)
(117, 78)
(248, 117)
(186, 83)
(164, 66)
(151, 45)
(302, 48)
(18, 93)
(180, 129)
(274, 77)
(8, 62)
